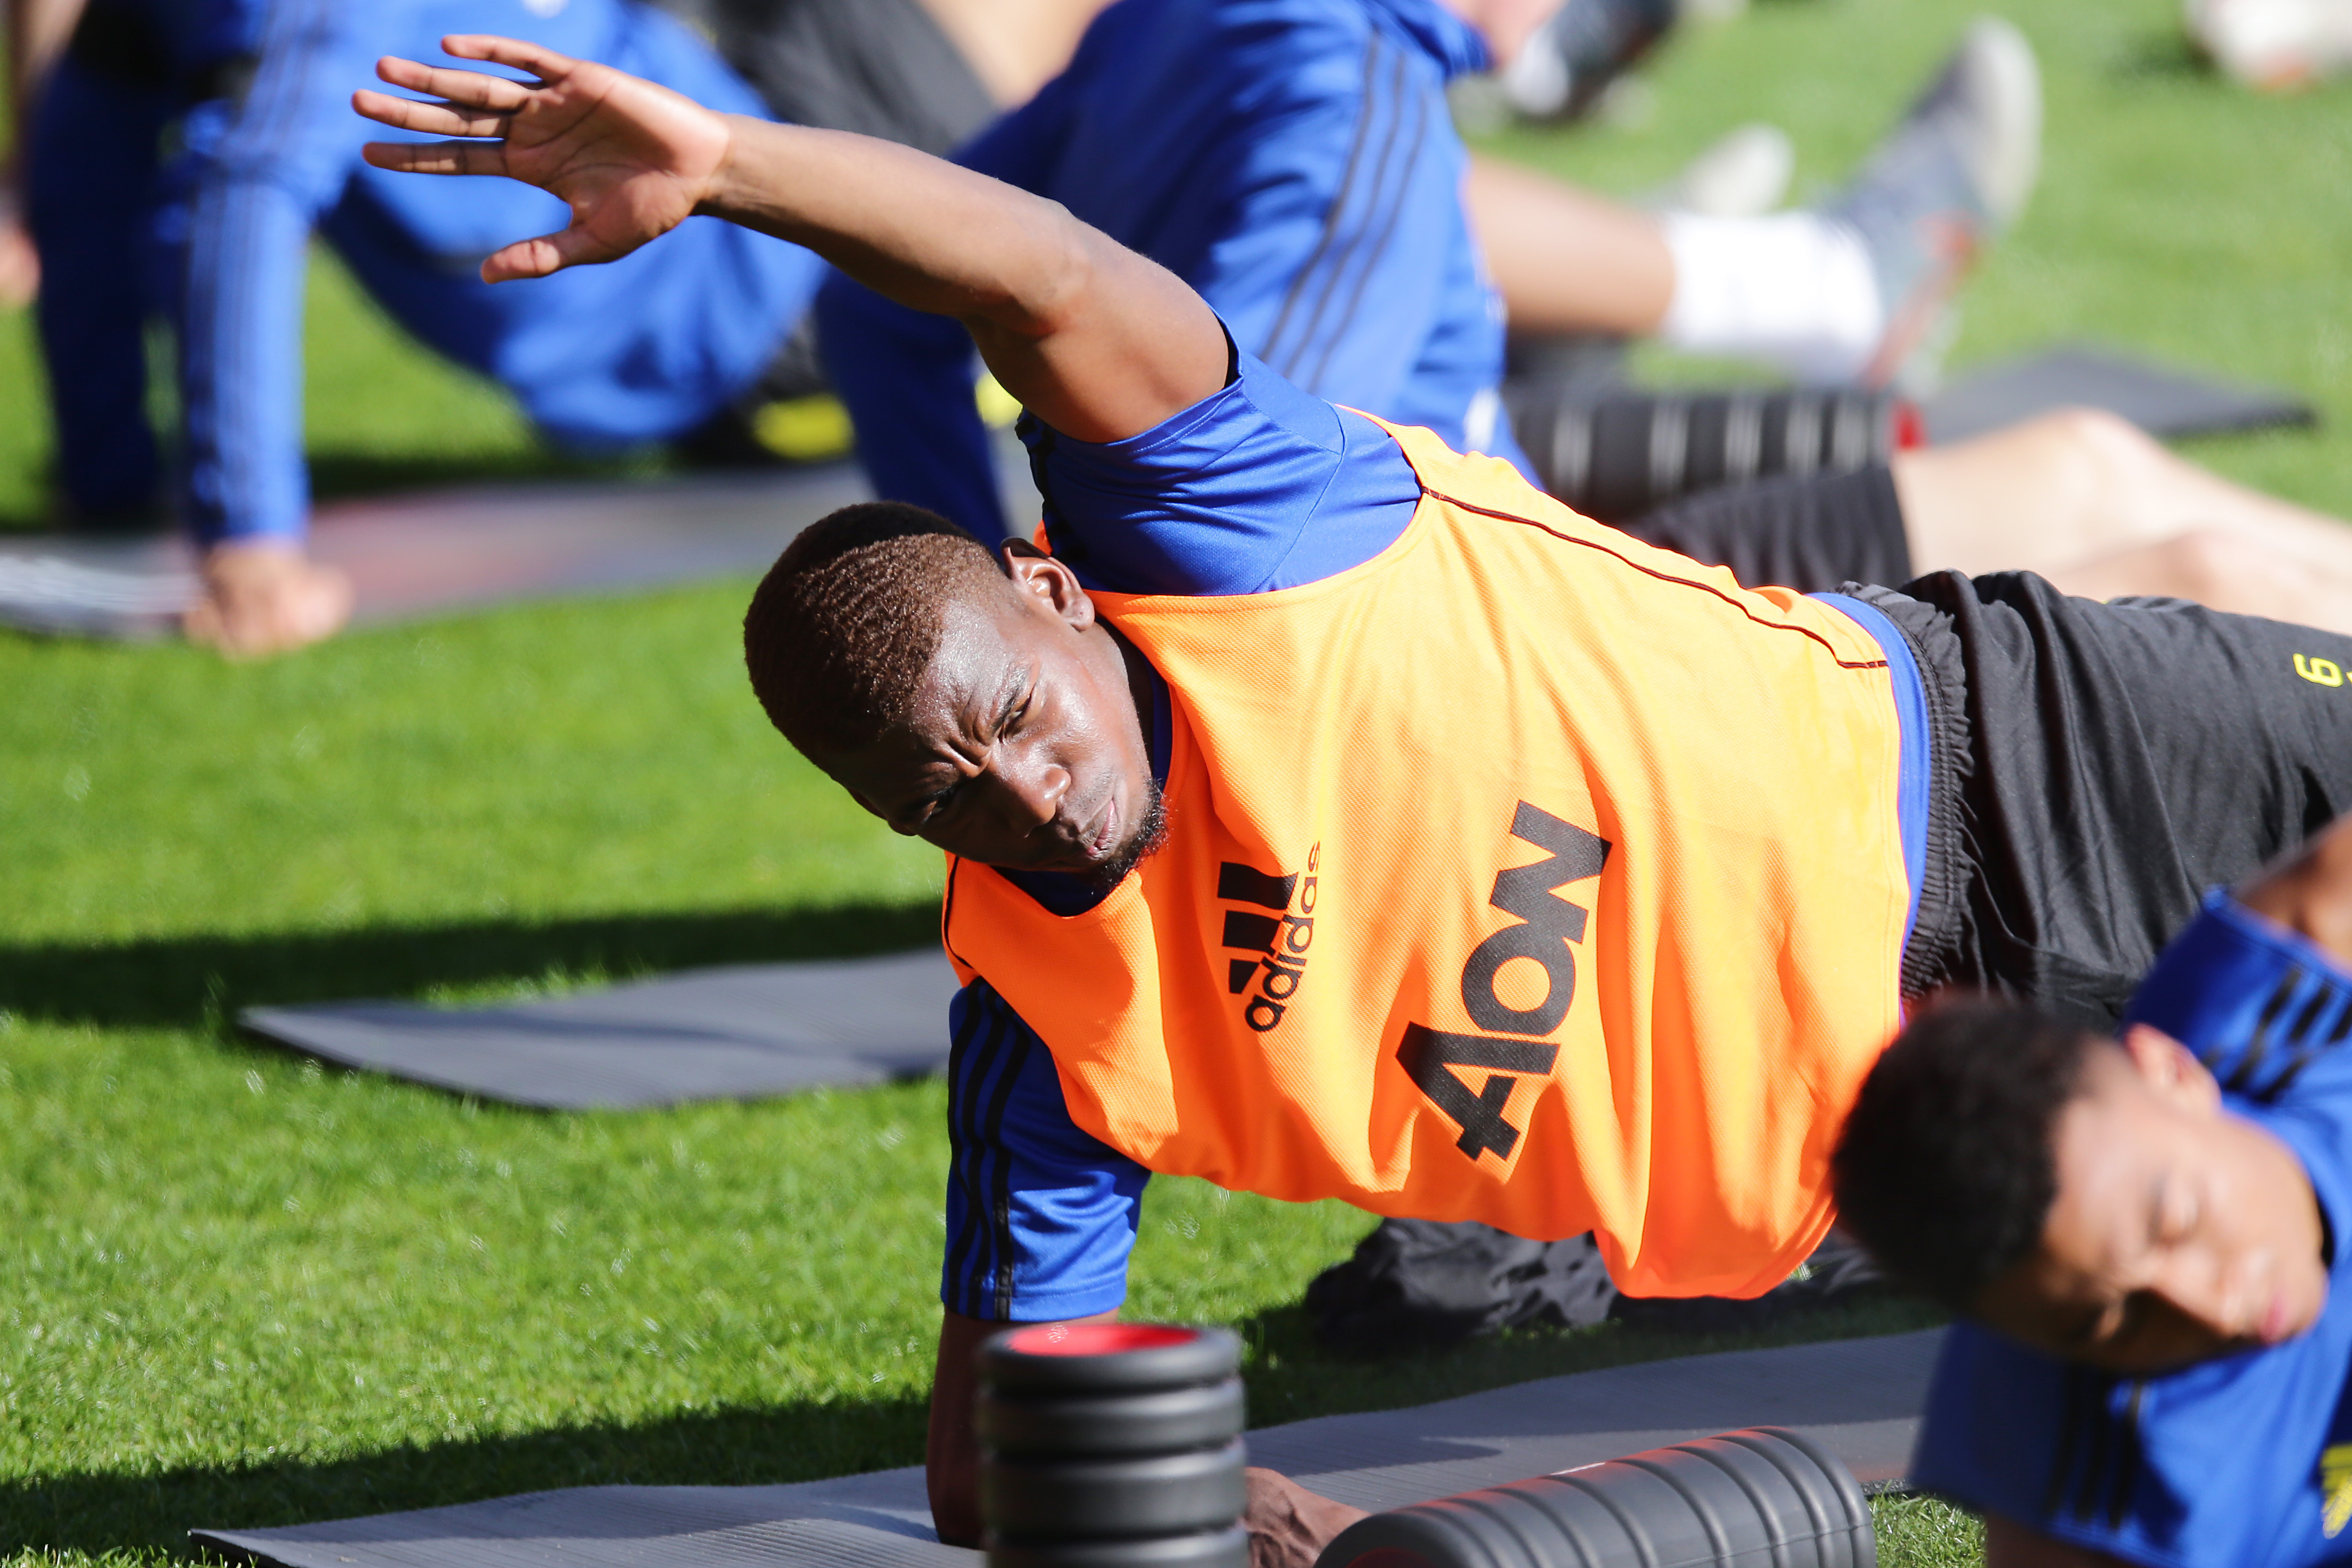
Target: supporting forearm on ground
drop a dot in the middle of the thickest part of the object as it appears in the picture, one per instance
(951, 1453)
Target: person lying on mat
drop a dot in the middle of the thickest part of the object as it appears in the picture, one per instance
(1219, 138)
(2146, 1234)
(1329, 814)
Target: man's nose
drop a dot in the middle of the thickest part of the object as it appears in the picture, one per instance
(1031, 791)
(2223, 1299)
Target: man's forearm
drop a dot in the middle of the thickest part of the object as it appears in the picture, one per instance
(924, 232)
(1099, 342)
(952, 1455)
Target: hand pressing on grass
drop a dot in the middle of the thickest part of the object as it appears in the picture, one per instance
(264, 596)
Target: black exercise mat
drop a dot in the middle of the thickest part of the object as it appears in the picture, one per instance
(2160, 400)
(738, 1033)
(1859, 1397)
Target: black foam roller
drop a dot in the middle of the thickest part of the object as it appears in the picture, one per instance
(1227, 1548)
(1072, 1500)
(1202, 1416)
(1615, 455)
(1091, 1359)
(1762, 1496)
(1112, 1445)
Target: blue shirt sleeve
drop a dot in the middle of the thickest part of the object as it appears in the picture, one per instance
(1041, 1215)
(907, 378)
(2222, 1462)
(1257, 487)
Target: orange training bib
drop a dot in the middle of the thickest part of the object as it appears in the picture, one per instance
(1522, 873)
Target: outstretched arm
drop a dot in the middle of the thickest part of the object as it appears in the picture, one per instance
(1095, 339)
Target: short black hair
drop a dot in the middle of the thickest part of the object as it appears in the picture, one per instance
(1945, 1170)
(849, 617)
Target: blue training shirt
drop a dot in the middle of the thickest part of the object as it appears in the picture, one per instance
(1292, 160)
(2247, 1461)
(1258, 487)
(642, 349)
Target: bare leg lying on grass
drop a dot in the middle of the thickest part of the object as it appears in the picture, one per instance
(2091, 502)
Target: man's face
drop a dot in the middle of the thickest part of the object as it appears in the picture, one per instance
(2180, 1232)
(1024, 745)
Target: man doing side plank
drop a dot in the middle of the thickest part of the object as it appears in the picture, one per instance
(2148, 1234)
(1333, 815)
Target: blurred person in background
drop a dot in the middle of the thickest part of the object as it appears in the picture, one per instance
(182, 154)
(2277, 46)
(1294, 161)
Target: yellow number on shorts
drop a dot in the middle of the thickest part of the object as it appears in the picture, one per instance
(2319, 671)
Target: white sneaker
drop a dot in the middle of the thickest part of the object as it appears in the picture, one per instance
(2274, 45)
(1744, 174)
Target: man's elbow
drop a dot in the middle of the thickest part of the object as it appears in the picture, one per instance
(1057, 289)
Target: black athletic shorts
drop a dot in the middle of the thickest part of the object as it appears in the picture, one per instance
(1806, 531)
(2097, 768)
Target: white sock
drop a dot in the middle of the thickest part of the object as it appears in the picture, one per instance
(1794, 289)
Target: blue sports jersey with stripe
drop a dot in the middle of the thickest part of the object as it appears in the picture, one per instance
(640, 349)
(1292, 160)
(1260, 486)
(2245, 1461)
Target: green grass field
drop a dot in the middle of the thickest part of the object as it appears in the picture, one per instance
(239, 1290)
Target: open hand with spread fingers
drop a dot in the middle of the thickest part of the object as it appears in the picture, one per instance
(1092, 337)
(632, 160)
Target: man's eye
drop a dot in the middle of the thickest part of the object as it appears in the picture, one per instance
(931, 806)
(2175, 1215)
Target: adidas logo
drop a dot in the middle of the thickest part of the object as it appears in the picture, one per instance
(1277, 943)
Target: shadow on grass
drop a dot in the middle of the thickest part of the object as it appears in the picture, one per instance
(201, 981)
(2164, 55)
(103, 1513)
(1293, 1379)
(1289, 1379)
(346, 474)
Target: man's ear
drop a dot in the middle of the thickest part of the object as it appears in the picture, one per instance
(2171, 1070)
(1038, 577)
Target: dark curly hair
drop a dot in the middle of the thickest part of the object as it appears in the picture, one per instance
(849, 617)
(1945, 1170)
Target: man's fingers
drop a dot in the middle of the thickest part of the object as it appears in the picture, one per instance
(436, 119)
(437, 157)
(542, 63)
(524, 259)
(472, 90)
(549, 253)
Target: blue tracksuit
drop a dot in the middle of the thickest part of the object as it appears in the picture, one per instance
(640, 349)
(1292, 160)
(2245, 1462)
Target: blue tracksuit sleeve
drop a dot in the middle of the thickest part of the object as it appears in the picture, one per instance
(257, 171)
(1041, 1216)
(241, 360)
(907, 379)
